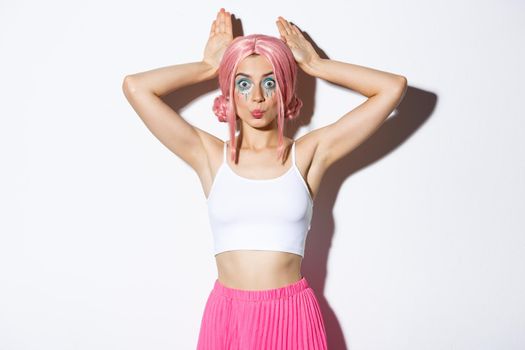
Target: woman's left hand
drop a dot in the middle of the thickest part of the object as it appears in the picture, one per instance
(303, 51)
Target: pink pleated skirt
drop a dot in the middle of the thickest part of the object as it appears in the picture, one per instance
(282, 318)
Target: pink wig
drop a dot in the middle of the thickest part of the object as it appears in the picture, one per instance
(284, 67)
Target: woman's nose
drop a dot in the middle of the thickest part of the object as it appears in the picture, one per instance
(258, 94)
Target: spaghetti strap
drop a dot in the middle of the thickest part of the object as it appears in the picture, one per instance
(293, 153)
(224, 153)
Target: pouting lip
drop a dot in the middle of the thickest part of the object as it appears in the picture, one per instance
(257, 111)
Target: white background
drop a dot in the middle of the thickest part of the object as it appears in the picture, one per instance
(417, 240)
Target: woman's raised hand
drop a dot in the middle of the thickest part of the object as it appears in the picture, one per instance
(303, 51)
(221, 36)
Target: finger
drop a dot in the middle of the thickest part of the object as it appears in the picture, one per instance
(218, 22)
(282, 31)
(296, 30)
(280, 27)
(286, 25)
(212, 30)
(228, 23)
(223, 21)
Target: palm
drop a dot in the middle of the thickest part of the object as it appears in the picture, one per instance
(302, 49)
(221, 36)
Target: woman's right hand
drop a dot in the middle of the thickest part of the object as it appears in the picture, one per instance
(221, 36)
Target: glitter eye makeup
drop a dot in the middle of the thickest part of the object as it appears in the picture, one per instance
(243, 84)
(269, 88)
(244, 87)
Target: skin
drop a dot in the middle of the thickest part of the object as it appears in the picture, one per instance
(316, 150)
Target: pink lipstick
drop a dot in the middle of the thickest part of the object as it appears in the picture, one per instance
(257, 113)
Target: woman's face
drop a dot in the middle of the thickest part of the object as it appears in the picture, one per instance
(255, 88)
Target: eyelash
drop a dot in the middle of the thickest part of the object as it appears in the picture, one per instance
(246, 88)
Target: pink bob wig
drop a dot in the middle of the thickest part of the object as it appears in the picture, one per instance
(285, 69)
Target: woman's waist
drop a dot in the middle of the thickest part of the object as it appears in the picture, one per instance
(257, 270)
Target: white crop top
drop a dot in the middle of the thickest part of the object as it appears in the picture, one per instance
(259, 214)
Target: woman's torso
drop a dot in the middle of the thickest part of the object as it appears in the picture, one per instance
(262, 269)
(255, 269)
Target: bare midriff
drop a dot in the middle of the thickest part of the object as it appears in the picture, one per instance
(258, 269)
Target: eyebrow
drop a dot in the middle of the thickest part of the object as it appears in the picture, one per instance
(249, 76)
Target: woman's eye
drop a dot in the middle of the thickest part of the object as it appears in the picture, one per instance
(269, 84)
(243, 84)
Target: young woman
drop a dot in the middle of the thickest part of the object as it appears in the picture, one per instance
(259, 185)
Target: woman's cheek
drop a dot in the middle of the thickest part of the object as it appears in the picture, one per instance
(269, 93)
(242, 94)
(238, 98)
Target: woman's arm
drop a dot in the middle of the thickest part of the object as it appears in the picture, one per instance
(384, 91)
(366, 81)
(164, 80)
(143, 91)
